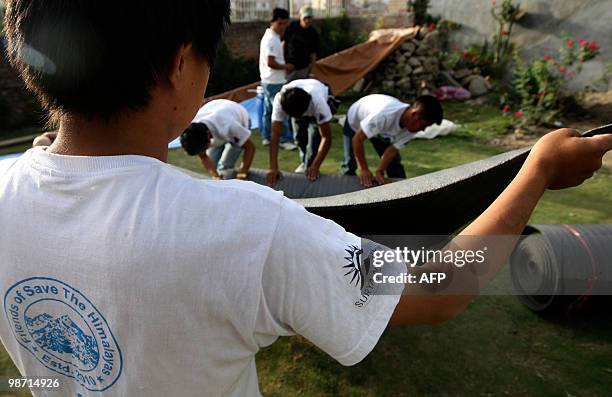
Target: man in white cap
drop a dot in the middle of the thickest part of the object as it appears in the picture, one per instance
(301, 45)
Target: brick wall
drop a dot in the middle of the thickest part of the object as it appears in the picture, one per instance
(243, 38)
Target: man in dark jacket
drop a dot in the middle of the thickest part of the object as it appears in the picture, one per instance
(301, 45)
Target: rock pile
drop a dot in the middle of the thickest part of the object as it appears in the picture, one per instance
(417, 68)
(412, 70)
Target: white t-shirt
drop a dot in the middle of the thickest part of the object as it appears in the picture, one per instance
(227, 121)
(379, 115)
(318, 107)
(271, 46)
(122, 274)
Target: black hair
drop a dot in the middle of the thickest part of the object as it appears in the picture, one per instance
(279, 13)
(195, 138)
(295, 101)
(432, 109)
(100, 58)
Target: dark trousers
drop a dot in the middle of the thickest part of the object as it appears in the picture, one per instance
(349, 165)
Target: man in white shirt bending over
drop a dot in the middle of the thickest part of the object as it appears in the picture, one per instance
(273, 73)
(389, 124)
(306, 102)
(218, 134)
(148, 282)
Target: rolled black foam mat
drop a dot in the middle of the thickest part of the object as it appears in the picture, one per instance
(297, 186)
(562, 266)
(437, 203)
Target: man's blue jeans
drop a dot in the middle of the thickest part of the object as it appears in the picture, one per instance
(349, 165)
(307, 138)
(224, 156)
(270, 91)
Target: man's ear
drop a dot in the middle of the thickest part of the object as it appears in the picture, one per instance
(177, 68)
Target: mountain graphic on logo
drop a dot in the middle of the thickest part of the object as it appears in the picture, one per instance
(356, 268)
(62, 335)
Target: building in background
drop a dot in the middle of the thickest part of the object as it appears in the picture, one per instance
(260, 10)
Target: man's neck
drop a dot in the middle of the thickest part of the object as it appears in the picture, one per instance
(127, 135)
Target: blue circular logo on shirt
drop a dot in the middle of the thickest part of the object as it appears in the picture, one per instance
(64, 331)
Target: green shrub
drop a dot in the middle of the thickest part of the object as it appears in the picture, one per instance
(231, 71)
(538, 85)
(335, 35)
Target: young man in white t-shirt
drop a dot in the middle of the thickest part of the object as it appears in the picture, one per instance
(148, 282)
(389, 124)
(273, 73)
(218, 134)
(306, 102)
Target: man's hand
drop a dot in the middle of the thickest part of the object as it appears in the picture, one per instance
(45, 139)
(272, 177)
(380, 177)
(242, 175)
(312, 173)
(565, 159)
(366, 177)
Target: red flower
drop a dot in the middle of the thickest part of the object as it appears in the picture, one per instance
(593, 46)
(494, 2)
(504, 33)
(548, 57)
(432, 26)
(569, 74)
(506, 109)
(562, 69)
(474, 58)
(518, 114)
(583, 43)
(464, 55)
(569, 43)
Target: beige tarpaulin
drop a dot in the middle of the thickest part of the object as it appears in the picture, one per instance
(343, 69)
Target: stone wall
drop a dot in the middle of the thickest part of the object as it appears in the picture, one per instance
(539, 31)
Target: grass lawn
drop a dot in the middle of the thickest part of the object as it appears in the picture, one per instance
(496, 348)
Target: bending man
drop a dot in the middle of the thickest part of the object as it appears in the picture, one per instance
(218, 134)
(389, 124)
(306, 102)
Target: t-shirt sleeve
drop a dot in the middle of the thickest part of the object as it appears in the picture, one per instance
(238, 134)
(323, 113)
(278, 114)
(317, 282)
(273, 49)
(372, 125)
(402, 139)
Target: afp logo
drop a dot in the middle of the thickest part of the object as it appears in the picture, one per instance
(64, 331)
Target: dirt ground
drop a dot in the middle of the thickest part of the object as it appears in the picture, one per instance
(599, 112)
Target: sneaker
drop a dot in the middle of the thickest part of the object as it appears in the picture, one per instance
(301, 168)
(288, 146)
(265, 142)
